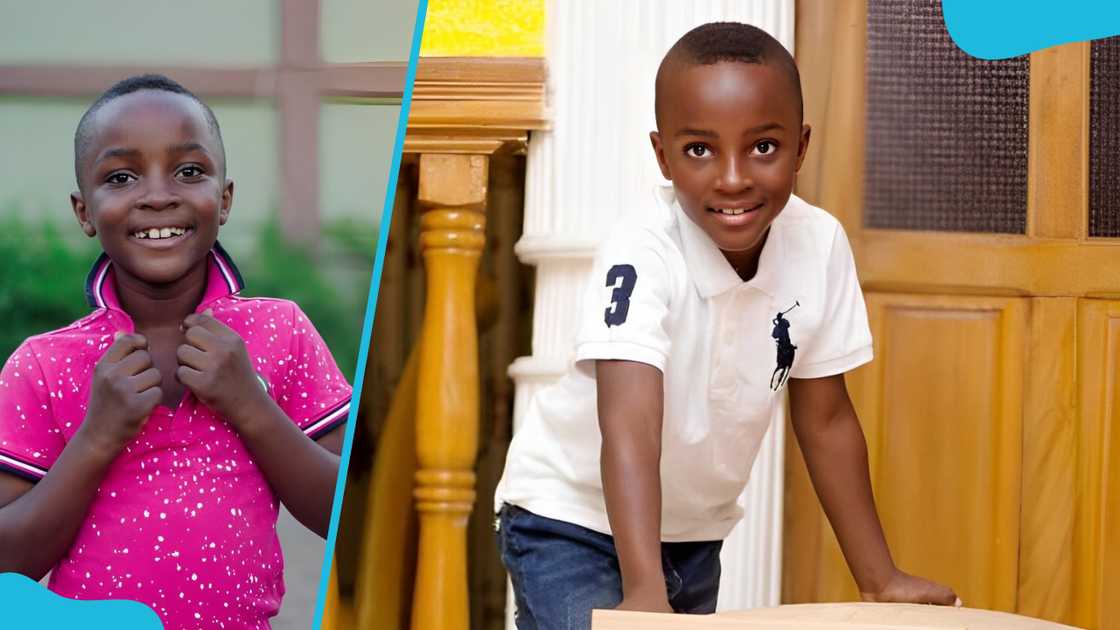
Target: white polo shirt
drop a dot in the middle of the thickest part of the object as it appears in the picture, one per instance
(662, 293)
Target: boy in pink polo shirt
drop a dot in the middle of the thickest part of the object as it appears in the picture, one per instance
(145, 448)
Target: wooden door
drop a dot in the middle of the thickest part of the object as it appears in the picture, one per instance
(992, 408)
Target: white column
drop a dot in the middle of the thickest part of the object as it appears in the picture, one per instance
(595, 163)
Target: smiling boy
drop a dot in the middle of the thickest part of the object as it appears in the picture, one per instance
(623, 480)
(145, 448)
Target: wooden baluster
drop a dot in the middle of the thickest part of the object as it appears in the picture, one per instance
(452, 192)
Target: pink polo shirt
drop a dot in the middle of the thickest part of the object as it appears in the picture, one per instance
(183, 521)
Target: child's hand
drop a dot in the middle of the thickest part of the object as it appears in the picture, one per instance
(215, 366)
(905, 588)
(124, 391)
(658, 603)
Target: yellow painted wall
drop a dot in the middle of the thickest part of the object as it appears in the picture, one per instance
(484, 28)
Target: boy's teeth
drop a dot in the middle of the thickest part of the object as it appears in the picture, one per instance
(156, 233)
(731, 211)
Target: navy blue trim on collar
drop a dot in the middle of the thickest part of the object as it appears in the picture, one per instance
(95, 279)
(229, 270)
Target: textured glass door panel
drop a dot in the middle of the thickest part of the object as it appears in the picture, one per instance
(1104, 139)
(946, 133)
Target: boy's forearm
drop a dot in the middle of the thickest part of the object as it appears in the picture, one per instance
(38, 527)
(836, 456)
(301, 472)
(632, 492)
(630, 403)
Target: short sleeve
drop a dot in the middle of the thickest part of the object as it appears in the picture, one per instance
(843, 340)
(625, 306)
(313, 392)
(30, 440)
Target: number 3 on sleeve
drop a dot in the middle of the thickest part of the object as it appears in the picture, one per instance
(620, 297)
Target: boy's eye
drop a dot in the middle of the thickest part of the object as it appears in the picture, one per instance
(119, 178)
(697, 150)
(190, 171)
(765, 148)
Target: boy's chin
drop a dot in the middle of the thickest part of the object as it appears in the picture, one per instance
(163, 276)
(164, 270)
(738, 243)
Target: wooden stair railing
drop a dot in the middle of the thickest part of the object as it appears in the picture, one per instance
(463, 111)
(388, 558)
(452, 189)
(384, 584)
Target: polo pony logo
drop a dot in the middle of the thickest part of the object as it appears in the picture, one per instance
(785, 349)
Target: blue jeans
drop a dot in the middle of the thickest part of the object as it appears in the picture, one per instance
(561, 571)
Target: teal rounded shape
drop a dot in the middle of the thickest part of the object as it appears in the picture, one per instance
(999, 29)
(27, 604)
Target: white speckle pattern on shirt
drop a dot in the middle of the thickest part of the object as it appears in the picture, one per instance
(183, 521)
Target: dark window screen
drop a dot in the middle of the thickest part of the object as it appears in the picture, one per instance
(946, 132)
(1104, 139)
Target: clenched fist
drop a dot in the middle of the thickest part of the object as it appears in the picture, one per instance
(215, 366)
(124, 392)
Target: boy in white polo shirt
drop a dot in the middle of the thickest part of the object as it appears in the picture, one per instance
(726, 291)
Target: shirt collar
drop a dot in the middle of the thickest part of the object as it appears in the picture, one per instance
(709, 268)
(222, 279)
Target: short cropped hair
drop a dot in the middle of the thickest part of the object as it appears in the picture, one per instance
(729, 41)
(157, 82)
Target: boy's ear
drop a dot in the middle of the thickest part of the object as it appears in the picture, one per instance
(227, 202)
(659, 151)
(81, 212)
(802, 145)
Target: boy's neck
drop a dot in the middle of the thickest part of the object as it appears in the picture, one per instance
(157, 305)
(745, 262)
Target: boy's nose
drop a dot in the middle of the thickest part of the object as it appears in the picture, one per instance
(733, 176)
(157, 195)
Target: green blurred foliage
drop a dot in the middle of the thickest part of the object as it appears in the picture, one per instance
(41, 279)
(43, 274)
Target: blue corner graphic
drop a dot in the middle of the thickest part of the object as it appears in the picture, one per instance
(998, 29)
(28, 604)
